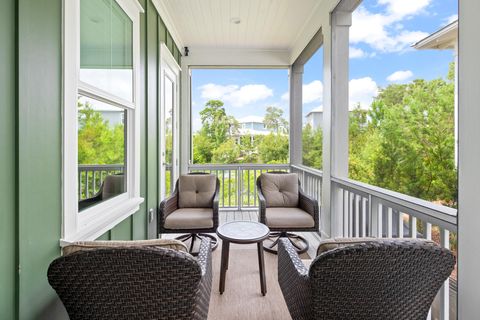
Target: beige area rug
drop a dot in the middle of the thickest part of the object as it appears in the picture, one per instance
(242, 298)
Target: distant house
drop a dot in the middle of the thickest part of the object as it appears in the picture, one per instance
(252, 126)
(315, 118)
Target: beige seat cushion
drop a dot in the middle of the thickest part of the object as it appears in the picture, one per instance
(190, 218)
(196, 191)
(280, 190)
(91, 245)
(288, 218)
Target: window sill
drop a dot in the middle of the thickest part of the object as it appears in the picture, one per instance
(108, 220)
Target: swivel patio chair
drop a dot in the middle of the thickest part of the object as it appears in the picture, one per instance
(285, 208)
(129, 280)
(360, 279)
(192, 208)
(112, 186)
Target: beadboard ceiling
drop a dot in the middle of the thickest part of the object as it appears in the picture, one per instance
(264, 24)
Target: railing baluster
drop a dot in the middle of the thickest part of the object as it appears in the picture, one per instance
(357, 214)
(445, 290)
(364, 216)
(400, 225)
(389, 223)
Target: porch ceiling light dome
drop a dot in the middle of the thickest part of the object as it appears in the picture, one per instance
(235, 20)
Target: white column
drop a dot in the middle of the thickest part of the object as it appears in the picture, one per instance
(468, 162)
(296, 80)
(185, 118)
(337, 116)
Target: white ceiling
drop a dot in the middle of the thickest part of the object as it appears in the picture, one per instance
(265, 24)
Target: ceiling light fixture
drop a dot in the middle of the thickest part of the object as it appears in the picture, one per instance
(235, 20)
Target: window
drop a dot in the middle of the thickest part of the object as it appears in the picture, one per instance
(101, 122)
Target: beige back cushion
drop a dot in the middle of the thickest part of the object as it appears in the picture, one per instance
(113, 186)
(91, 245)
(280, 189)
(196, 191)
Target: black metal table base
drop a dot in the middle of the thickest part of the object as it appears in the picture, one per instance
(299, 243)
(225, 261)
(193, 237)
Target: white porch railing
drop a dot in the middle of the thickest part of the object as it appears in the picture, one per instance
(90, 177)
(238, 182)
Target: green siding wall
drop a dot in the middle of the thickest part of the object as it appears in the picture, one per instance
(31, 150)
(8, 224)
(39, 153)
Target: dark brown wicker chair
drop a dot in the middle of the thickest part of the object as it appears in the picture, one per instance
(134, 283)
(171, 205)
(380, 279)
(307, 206)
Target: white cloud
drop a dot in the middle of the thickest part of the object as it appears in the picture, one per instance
(357, 53)
(248, 94)
(237, 96)
(196, 124)
(385, 32)
(312, 91)
(211, 91)
(399, 76)
(404, 8)
(362, 91)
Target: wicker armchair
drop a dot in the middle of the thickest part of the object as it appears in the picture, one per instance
(394, 279)
(300, 213)
(145, 282)
(197, 217)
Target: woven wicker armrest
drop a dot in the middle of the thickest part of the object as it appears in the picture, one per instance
(262, 203)
(294, 281)
(169, 204)
(307, 203)
(202, 299)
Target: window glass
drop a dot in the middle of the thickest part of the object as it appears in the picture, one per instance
(106, 60)
(101, 151)
(169, 95)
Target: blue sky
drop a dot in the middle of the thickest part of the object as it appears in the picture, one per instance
(380, 54)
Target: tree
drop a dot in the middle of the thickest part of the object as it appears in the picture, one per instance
(274, 120)
(312, 142)
(273, 148)
(216, 125)
(98, 141)
(227, 152)
(412, 144)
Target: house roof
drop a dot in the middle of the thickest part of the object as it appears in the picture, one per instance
(251, 119)
(318, 109)
(444, 38)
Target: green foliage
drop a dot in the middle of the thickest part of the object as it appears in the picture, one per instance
(227, 152)
(98, 141)
(406, 142)
(273, 148)
(275, 121)
(312, 141)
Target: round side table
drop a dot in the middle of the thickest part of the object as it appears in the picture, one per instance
(242, 232)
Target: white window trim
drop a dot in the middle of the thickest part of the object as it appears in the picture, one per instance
(95, 221)
(170, 68)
